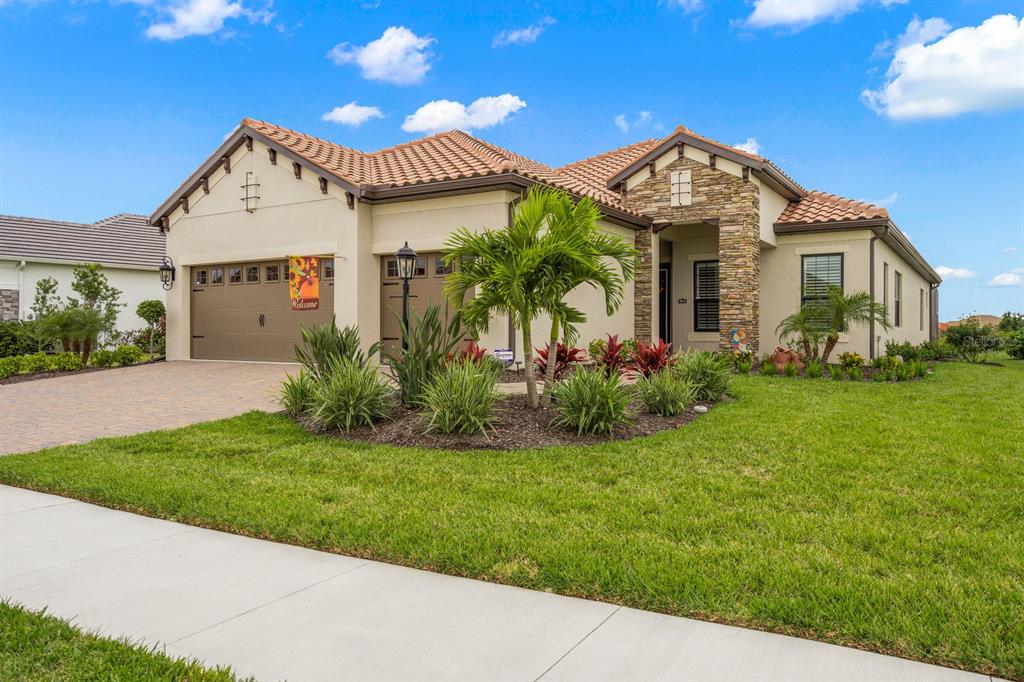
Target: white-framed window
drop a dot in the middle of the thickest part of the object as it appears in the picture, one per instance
(681, 188)
(897, 301)
(920, 311)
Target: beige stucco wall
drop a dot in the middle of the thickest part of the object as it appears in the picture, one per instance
(771, 204)
(136, 285)
(780, 280)
(292, 217)
(689, 243)
(913, 327)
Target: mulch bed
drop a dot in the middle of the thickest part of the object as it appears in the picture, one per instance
(517, 428)
(53, 374)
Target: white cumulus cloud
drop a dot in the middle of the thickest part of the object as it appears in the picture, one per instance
(399, 56)
(974, 68)
(352, 114)
(750, 146)
(799, 14)
(183, 18)
(946, 272)
(522, 36)
(1011, 250)
(621, 122)
(444, 114)
(689, 6)
(916, 32)
(1008, 279)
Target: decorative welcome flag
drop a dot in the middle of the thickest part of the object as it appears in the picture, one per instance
(304, 282)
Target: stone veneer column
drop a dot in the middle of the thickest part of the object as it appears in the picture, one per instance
(8, 304)
(739, 270)
(643, 285)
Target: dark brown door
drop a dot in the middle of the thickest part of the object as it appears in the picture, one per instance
(241, 311)
(426, 286)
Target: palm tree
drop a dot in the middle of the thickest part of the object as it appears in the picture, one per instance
(840, 312)
(509, 270)
(585, 254)
(806, 326)
(552, 246)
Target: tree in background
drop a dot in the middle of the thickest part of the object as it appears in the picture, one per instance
(46, 300)
(95, 291)
(1011, 322)
(152, 311)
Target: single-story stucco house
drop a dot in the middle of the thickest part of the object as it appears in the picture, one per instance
(127, 247)
(729, 244)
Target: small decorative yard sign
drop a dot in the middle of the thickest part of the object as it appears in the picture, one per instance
(304, 282)
(506, 355)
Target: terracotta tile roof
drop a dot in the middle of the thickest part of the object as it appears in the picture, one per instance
(456, 155)
(446, 156)
(820, 207)
(122, 239)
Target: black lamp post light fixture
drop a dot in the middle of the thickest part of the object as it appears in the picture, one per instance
(406, 258)
(167, 273)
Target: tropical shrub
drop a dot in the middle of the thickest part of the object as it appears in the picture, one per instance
(565, 357)
(790, 370)
(611, 355)
(707, 372)
(813, 369)
(918, 369)
(1014, 344)
(152, 311)
(744, 366)
(431, 340)
(887, 362)
(461, 398)
(768, 368)
(102, 358)
(9, 366)
(127, 355)
(37, 362)
(849, 360)
(350, 394)
(936, 350)
(323, 344)
(16, 338)
(648, 358)
(972, 341)
(900, 372)
(66, 362)
(905, 350)
(472, 352)
(1011, 322)
(855, 373)
(665, 393)
(591, 402)
(806, 328)
(298, 393)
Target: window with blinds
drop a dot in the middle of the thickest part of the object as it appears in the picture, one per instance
(818, 273)
(705, 296)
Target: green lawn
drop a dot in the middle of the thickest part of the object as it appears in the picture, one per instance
(35, 646)
(886, 516)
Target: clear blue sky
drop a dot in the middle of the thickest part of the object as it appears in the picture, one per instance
(107, 106)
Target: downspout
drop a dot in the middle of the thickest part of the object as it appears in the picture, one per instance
(871, 289)
(21, 289)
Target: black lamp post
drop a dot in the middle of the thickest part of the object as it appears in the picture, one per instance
(406, 266)
(167, 273)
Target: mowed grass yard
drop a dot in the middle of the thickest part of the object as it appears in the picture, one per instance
(35, 646)
(884, 516)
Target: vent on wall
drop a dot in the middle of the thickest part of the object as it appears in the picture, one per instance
(681, 188)
(250, 191)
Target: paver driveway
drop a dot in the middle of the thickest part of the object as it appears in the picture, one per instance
(119, 402)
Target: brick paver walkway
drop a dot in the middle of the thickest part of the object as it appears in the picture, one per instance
(118, 402)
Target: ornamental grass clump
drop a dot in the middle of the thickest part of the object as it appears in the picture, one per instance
(462, 397)
(297, 393)
(918, 369)
(835, 372)
(708, 372)
(665, 393)
(767, 367)
(349, 395)
(813, 370)
(323, 344)
(591, 402)
(790, 370)
(856, 373)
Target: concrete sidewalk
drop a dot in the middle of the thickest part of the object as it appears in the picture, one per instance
(277, 611)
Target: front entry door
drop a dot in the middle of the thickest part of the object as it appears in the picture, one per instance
(665, 302)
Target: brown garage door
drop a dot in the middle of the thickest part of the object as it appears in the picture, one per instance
(241, 311)
(426, 286)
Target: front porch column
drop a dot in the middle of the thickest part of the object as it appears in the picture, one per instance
(739, 283)
(643, 285)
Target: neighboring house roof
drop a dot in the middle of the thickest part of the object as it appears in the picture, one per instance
(983, 320)
(122, 239)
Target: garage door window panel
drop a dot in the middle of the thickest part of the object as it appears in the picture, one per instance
(252, 274)
(200, 278)
(235, 274)
(273, 273)
(328, 268)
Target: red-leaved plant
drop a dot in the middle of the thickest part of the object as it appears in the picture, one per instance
(473, 352)
(564, 356)
(614, 358)
(649, 358)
